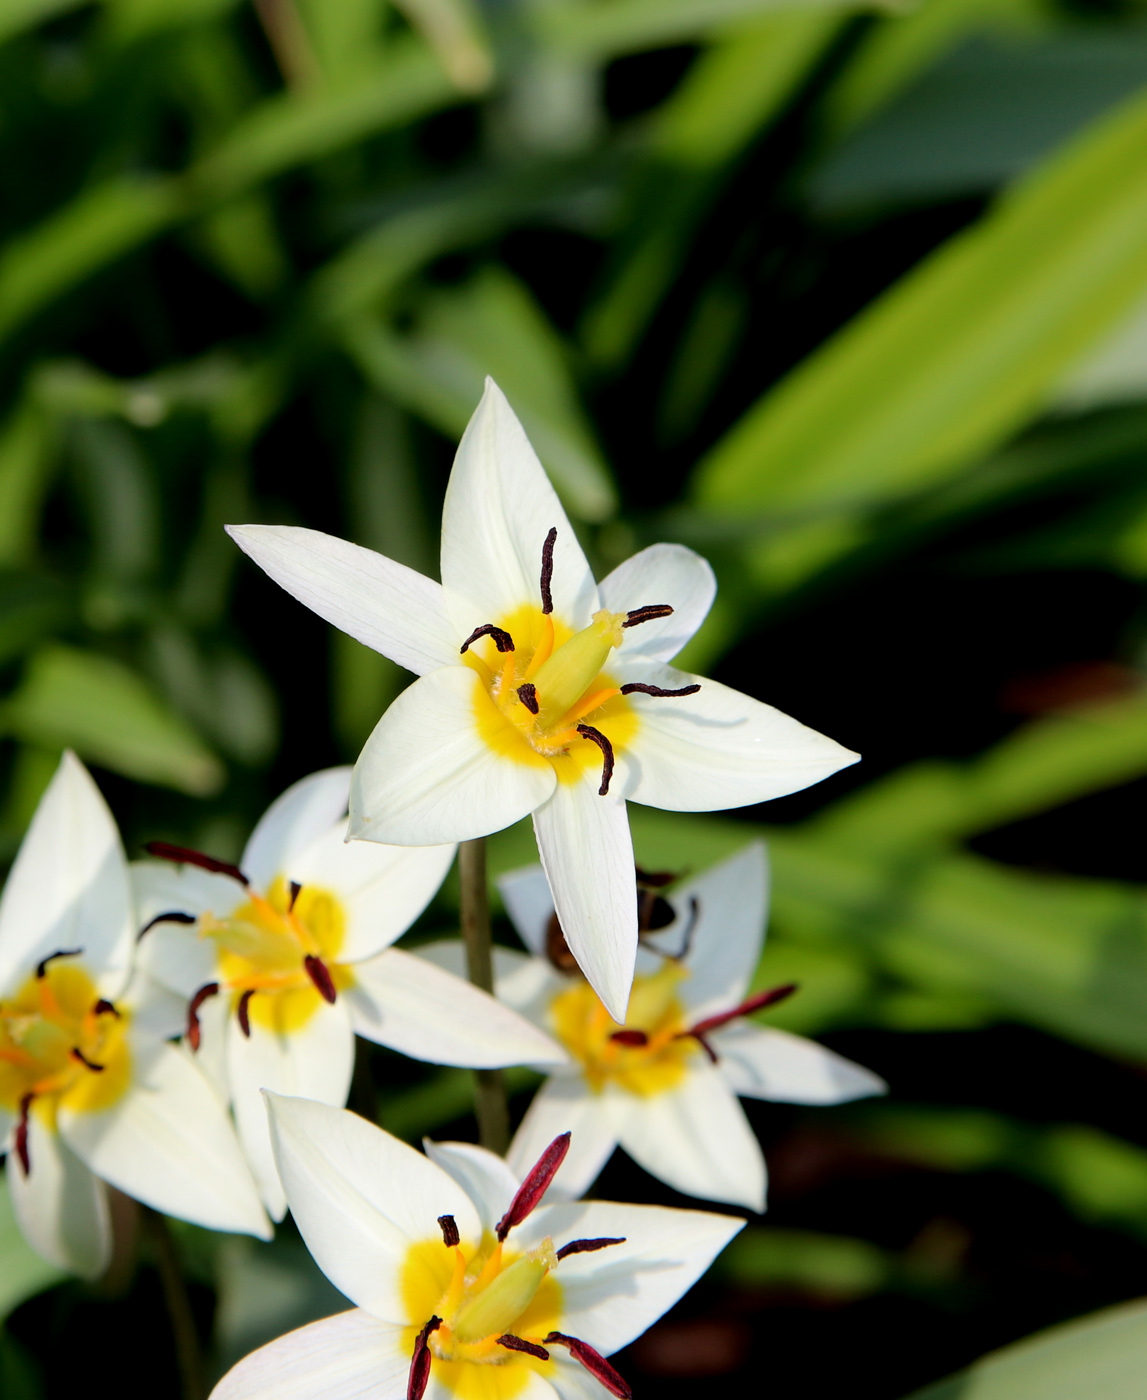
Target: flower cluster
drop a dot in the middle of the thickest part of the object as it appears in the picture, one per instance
(184, 1029)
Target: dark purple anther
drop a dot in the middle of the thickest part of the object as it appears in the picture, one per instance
(535, 1185)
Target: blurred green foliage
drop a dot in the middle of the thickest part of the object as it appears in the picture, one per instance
(254, 263)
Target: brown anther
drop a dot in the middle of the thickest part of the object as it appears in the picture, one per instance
(296, 890)
(173, 916)
(528, 695)
(548, 570)
(243, 1012)
(420, 1361)
(42, 965)
(319, 974)
(640, 688)
(105, 1007)
(449, 1227)
(512, 1343)
(501, 639)
(535, 1186)
(164, 850)
(209, 989)
(750, 1004)
(636, 616)
(587, 731)
(20, 1139)
(655, 879)
(587, 1246)
(633, 1038)
(594, 1363)
(78, 1055)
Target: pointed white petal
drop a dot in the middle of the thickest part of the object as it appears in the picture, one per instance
(763, 1063)
(360, 1197)
(565, 1104)
(727, 939)
(350, 1356)
(315, 1061)
(483, 1175)
(717, 748)
(384, 605)
(526, 984)
(526, 894)
(60, 1207)
(426, 776)
(307, 810)
(695, 1137)
(663, 573)
(169, 1143)
(69, 886)
(587, 854)
(611, 1296)
(382, 889)
(429, 1014)
(498, 510)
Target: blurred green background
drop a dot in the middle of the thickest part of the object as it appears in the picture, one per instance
(852, 299)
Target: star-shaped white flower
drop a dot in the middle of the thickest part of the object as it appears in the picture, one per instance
(464, 1285)
(282, 958)
(90, 1090)
(540, 691)
(665, 1084)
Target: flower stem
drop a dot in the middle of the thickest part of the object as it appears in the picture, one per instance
(490, 1104)
(188, 1353)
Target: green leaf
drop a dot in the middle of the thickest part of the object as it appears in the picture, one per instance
(957, 356)
(831, 1266)
(29, 443)
(18, 15)
(1102, 1355)
(76, 699)
(22, 1272)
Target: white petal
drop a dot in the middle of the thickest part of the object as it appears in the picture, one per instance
(382, 889)
(178, 958)
(350, 1356)
(725, 948)
(315, 1062)
(565, 1104)
(360, 1197)
(611, 1296)
(498, 510)
(68, 887)
(717, 748)
(663, 573)
(297, 818)
(429, 1014)
(60, 1207)
(571, 1380)
(483, 1175)
(763, 1063)
(160, 887)
(426, 776)
(587, 854)
(526, 895)
(695, 1137)
(169, 1143)
(154, 1007)
(384, 605)
(526, 984)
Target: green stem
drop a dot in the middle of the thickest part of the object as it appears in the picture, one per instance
(188, 1353)
(490, 1104)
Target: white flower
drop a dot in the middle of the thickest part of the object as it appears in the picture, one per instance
(285, 956)
(464, 1285)
(665, 1085)
(540, 692)
(90, 1090)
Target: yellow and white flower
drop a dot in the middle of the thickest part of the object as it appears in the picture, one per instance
(466, 1288)
(282, 958)
(540, 691)
(665, 1084)
(91, 1092)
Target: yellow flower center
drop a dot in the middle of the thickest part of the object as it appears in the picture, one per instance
(532, 699)
(263, 950)
(480, 1296)
(61, 1044)
(589, 1033)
